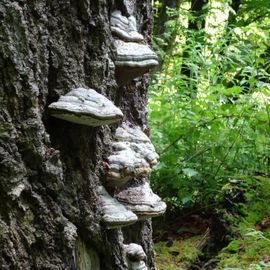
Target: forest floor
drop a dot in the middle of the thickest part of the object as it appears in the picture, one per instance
(186, 243)
(182, 249)
(177, 242)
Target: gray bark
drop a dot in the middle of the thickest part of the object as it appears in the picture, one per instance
(49, 168)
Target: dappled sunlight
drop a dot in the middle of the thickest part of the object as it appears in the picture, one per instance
(217, 19)
(210, 119)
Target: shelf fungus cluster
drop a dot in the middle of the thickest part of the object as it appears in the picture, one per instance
(133, 155)
(129, 205)
(133, 58)
(85, 107)
(135, 256)
(125, 28)
(141, 200)
(114, 214)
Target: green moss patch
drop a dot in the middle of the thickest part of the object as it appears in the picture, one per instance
(250, 249)
(179, 255)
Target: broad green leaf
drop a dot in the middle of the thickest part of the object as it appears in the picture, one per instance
(189, 172)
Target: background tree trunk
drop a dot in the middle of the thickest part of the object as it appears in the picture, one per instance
(49, 168)
(163, 17)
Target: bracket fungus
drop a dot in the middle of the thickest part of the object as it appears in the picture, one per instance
(137, 265)
(125, 28)
(133, 155)
(129, 6)
(115, 215)
(133, 60)
(142, 201)
(134, 252)
(85, 107)
(135, 256)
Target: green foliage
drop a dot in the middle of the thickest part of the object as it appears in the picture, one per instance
(241, 253)
(209, 111)
(243, 202)
(253, 11)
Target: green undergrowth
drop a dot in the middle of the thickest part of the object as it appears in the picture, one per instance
(243, 210)
(178, 256)
(251, 252)
(250, 247)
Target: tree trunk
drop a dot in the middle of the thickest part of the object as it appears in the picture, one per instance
(49, 168)
(197, 11)
(163, 15)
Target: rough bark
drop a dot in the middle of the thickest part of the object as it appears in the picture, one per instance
(49, 168)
